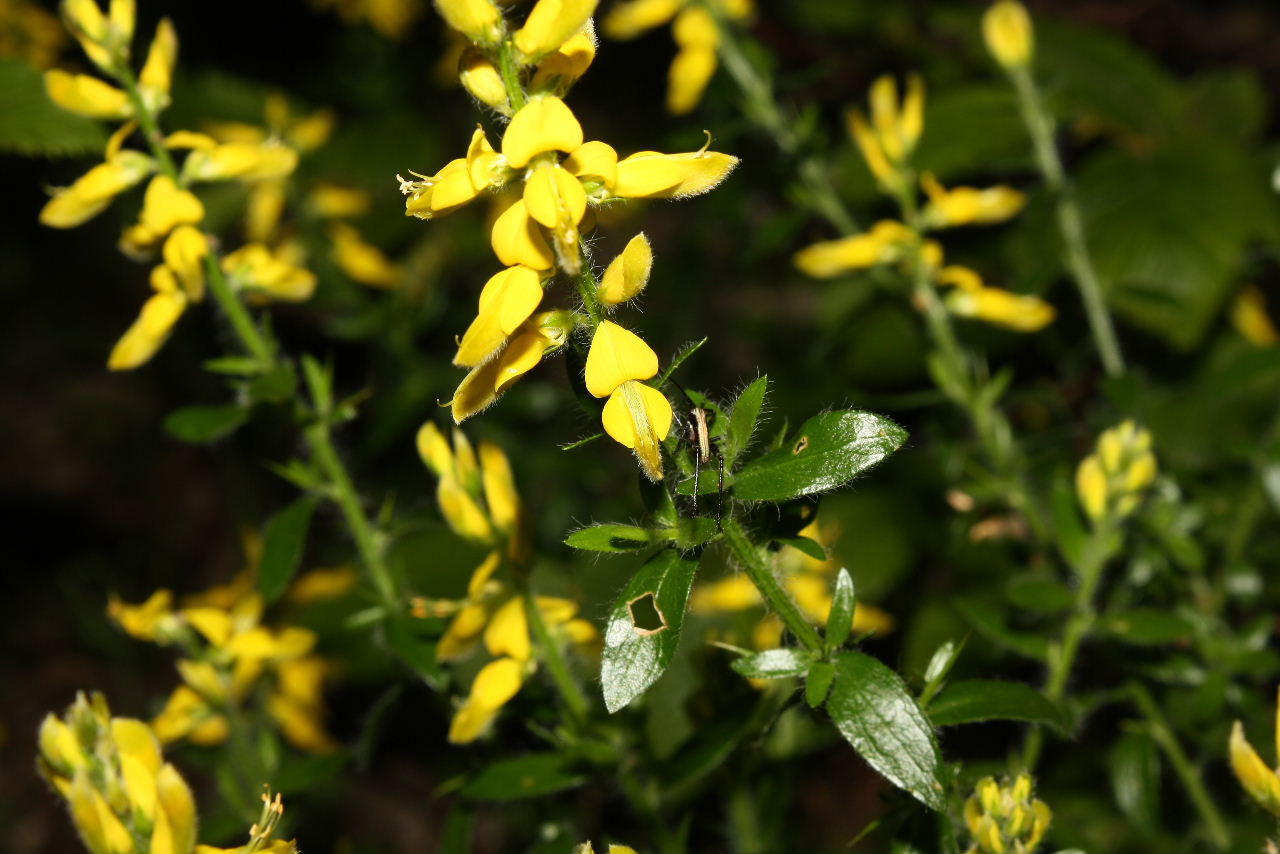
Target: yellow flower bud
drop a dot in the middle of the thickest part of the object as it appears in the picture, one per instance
(691, 71)
(184, 253)
(331, 201)
(558, 71)
(881, 245)
(481, 78)
(270, 274)
(1006, 28)
(156, 77)
(1016, 312)
(478, 20)
(627, 274)
(551, 24)
(968, 205)
(477, 391)
(175, 820)
(240, 160)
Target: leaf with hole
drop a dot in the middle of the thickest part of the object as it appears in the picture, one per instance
(643, 629)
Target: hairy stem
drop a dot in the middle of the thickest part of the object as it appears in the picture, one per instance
(762, 576)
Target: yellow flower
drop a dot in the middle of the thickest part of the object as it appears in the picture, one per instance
(559, 70)
(1007, 30)
(1006, 819)
(883, 244)
(506, 302)
(476, 494)
(550, 24)
(1261, 782)
(274, 275)
(148, 333)
(971, 298)
(556, 193)
(481, 78)
(478, 20)
(86, 96)
(1111, 482)
(968, 205)
(113, 775)
(246, 161)
(637, 416)
(93, 191)
(494, 686)
(104, 38)
(320, 584)
(1249, 317)
(153, 620)
(333, 201)
(297, 704)
(361, 260)
(695, 34)
(165, 206)
(887, 142)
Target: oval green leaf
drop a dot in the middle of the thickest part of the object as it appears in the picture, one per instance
(523, 777)
(202, 424)
(826, 452)
(610, 538)
(873, 710)
(773, 664)
(282, 547)
(977, 700)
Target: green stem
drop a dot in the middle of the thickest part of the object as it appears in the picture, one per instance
(553, 658)
(1062, 655)
(509, 68)
(148, 123)
(344, 494)
(1040, 124)
(762, 576)
(1182, 766)
(762, 107)
(588, 287)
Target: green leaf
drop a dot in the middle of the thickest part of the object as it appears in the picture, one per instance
(528, 776)
(275, 386)
(34, 126)
(773, 664)
(611, 537)
(638, 648)
(282, 546)
(818, 685)
(742, 420)
(874, 712)
(319, 383)
(408, 639)
(977, 700)
(840, 618)
(1147, 626)
(827, 451)
(1034, 593)
(989, 623)
(811, 548)
(203, 424)
(1134, 762)
(970, 129)
(940, 664)
(236, 366)
(1067, 524)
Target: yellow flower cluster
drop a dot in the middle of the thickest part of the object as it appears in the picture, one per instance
(807, 579)
(547, 178)
(123, 796)
(1111, 481)
(228, 653)
(171, 213)
(696, 35)
(1261, 782)
(887, 142)
(1006, 819)
(477, 496)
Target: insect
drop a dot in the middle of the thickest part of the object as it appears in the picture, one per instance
(697, 428)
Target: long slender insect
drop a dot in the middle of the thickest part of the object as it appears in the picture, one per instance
(700, 439)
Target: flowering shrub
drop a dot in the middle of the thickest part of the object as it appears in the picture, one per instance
(945, 525)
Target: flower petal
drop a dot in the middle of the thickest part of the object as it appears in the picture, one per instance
(543, 124)
(616, 356)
